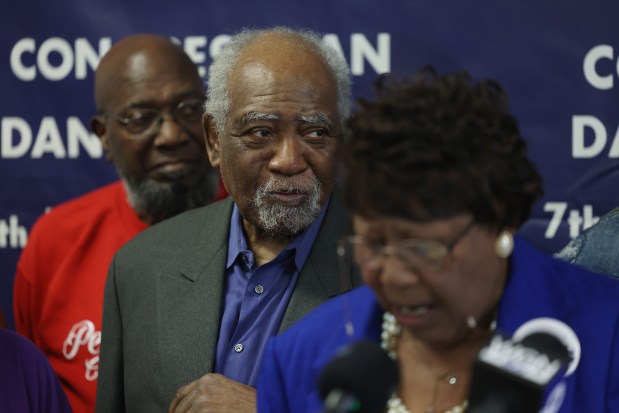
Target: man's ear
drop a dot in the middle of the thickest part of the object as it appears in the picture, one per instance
(211, 138)
(97, 125)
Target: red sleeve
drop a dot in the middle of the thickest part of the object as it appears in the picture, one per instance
(24, 300)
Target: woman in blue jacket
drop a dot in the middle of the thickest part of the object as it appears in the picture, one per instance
(438, 180)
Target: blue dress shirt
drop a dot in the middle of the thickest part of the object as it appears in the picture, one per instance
(256, 299)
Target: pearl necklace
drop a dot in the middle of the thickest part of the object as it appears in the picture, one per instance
(389, 336)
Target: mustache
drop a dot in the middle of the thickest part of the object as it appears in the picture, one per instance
(291, 185)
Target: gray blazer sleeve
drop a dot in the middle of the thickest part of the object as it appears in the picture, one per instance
(110, 393)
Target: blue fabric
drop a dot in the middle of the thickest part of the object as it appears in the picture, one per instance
(539, 286)
(27, 381)
(256, 299)
(597, 248)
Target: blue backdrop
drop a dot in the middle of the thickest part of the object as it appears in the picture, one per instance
(559, 63)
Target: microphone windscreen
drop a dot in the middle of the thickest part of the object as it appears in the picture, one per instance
(513, 376)
(547, 344)
(362, 370)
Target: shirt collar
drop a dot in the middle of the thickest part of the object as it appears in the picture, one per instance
(300, 246)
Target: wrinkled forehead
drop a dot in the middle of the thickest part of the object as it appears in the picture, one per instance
(281, 58)
(259, 86)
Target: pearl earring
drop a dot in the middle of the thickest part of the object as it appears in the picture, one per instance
(504, 244)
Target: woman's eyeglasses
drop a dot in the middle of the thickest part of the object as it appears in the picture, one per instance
(425, 255)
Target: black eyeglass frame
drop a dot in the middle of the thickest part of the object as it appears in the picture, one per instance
(381, 251)
(157, 117)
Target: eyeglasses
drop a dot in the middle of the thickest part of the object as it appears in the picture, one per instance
(425, 255)
(142, 121)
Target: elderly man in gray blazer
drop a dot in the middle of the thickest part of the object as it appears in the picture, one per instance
(190, 303)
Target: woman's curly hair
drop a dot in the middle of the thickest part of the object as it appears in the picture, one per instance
(431, 147)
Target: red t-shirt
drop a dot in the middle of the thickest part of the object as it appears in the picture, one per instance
(58, 290)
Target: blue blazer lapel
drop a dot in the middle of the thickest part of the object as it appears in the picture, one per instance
(525, 296)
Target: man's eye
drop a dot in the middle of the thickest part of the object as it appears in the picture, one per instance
(316, 136)
(190, 111)
(319, 133)
(261, 133)
(142, 118)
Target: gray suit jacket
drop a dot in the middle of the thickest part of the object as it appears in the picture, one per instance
(163, 299)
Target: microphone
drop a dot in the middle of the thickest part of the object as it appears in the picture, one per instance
(517, 374)
(359, 379)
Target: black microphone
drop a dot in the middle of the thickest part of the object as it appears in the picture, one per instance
(514, 376)
(359, 379)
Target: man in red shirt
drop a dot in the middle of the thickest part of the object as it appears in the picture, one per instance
(149, 98)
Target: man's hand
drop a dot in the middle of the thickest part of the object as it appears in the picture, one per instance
(214, 393)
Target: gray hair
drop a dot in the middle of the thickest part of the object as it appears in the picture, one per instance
(218, 100)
